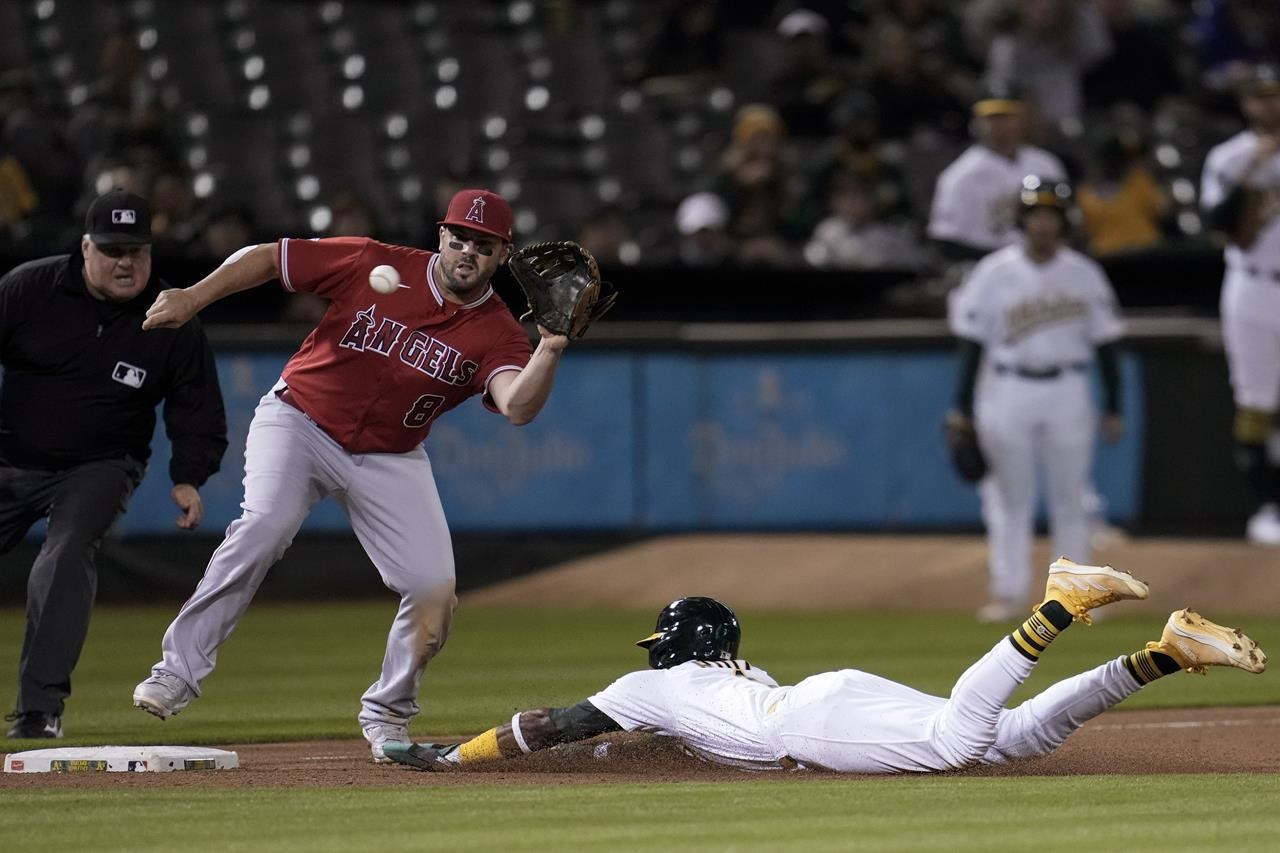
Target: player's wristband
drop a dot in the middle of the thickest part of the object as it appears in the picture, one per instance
(519, 735)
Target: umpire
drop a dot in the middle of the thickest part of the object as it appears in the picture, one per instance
(77, 411)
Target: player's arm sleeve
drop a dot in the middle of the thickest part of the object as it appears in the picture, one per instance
(1104, 320)
(323, 267)
(946, 212)
(968, 357)
(950, 250)
(1109, 368)
(194, 416)
(967, 314)
(1222, 196)
(580, 721)
(1227, 216)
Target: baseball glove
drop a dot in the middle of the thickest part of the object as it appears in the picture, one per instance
(962, 445)
(562, 283)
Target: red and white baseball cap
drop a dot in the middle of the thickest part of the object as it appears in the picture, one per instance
(480, 210)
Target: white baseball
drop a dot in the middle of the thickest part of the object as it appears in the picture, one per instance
(384, 278)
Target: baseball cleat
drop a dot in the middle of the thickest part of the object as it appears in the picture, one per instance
(162, 695)
(382, 735)
(35, 724)
(423, 756)
(1196, 643)
(1080, 588)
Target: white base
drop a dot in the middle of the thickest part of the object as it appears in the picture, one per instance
(120, 759)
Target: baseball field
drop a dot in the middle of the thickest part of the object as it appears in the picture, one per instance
(1188, 763)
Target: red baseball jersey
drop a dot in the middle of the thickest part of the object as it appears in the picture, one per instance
(378, 369)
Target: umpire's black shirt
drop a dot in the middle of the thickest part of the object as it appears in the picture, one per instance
(82, 379)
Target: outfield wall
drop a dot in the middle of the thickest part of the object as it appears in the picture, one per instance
(816, 427)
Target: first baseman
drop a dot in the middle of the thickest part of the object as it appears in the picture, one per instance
(1241, 192)
(347, 419)
(724, 710)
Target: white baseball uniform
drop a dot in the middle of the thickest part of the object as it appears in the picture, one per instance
(975, 198)
(1039, 325)
(729, 712)
(1250, 300)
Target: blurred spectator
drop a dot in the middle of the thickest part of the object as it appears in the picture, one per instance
(119, 101)
(1054, 43)
(909, 97)
(702, 220)
(1140, 69)
(757, 240)
(809, 83)
(33, 141)
(353, 216)
(752, 175)
(17, 199)
(1230, 35)
(690, 40)
(174, 226)
(606, 234)
(855, 236)
(975, 199)
(1120, 200)
(227, 230)
(858, 149)
(935, 34)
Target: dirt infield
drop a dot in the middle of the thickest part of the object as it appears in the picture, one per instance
(934, 572)
(1202, 740)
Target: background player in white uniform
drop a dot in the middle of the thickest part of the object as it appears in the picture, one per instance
(1241, 190)
(1029, 319)
(726, 711)
(974, 209)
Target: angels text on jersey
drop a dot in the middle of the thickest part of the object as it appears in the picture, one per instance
(427, 355)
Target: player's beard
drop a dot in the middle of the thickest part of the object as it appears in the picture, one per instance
(466, 287)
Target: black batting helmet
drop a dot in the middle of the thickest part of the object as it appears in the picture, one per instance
(1038, 192)
(692, 629)
(1263, 80)
(997, 96)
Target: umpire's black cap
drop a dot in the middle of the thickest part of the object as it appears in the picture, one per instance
(119, 217)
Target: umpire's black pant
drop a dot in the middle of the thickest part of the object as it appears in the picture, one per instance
(81, 503)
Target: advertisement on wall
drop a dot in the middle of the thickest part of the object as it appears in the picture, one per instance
(683, 441)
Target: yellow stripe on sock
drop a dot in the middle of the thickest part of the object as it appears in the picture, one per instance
(1028, 648)
(1034, 635)
(1145, 666)
(481, 748)
(1041, 629)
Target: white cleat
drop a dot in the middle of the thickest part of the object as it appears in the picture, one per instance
(380, 734)
(163, 695)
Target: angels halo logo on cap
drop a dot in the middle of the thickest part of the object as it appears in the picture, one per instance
(480, 210)
(119, 217)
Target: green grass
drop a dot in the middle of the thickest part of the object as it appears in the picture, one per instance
(919, 813)
(296, 672)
